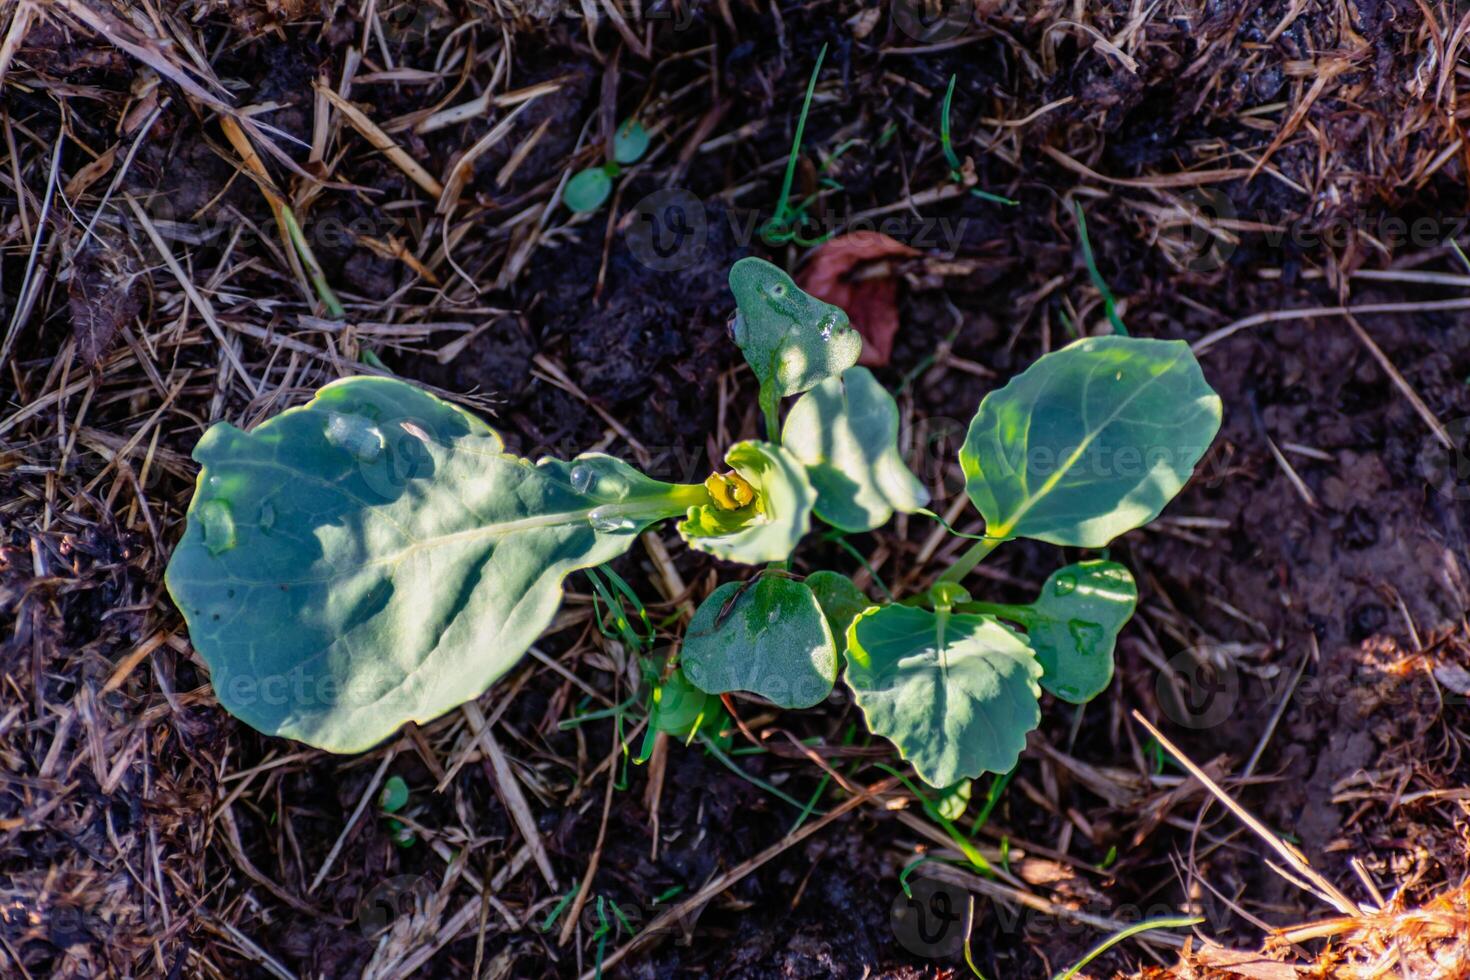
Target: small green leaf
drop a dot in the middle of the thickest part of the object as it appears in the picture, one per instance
(954, 800)
(769, 638)
(792, 341)
(401, 833)
(841, 602)
(768, 528)
(587, 189)
(375, 557)
(845, 432)
(1074, 623)
(683, 710)
(1089, 442)
(394, 795)
(630, 142)
(956, 693)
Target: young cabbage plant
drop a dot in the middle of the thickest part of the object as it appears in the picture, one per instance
(376, 556)
(1089, 442)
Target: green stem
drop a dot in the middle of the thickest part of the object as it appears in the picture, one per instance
(770, 404)
(313, 267)
(782, 215)
(686, 495)
(674, 501)
(1110, 304)
(973, 556)
(944, 141)
(1133, 930)
(1018, 614)
(759, 783)
(961, 842)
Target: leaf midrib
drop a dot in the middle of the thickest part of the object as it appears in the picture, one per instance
(1031, 500)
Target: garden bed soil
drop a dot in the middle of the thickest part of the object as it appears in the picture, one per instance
(1317, 559)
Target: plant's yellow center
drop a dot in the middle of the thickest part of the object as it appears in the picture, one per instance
(729, 491)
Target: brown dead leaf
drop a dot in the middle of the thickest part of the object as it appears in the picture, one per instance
(848, 271)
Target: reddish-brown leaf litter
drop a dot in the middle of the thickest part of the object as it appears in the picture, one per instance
(1281, 183)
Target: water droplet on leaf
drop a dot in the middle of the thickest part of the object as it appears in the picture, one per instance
(609, 520)
(827, 324)
(219, 526)
(1065, 585)
(357, 435)
(582, 478)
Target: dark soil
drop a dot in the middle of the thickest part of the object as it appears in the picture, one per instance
(176, 865)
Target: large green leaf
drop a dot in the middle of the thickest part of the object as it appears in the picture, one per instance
(768, 637)
(766, 529)
(375, 556)
(1073, 626)
(841, 602)
(1090, 441)
(956, 693)
(845, 432)
(793, 341)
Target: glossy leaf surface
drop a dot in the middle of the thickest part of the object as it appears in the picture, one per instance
(1090, 441)
(1074, 623)
(768, 637)
(956, 693)
(375, 557)
(792, 341)
(630, 142)
(845, 432)
(841, 603)
(587, 189)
